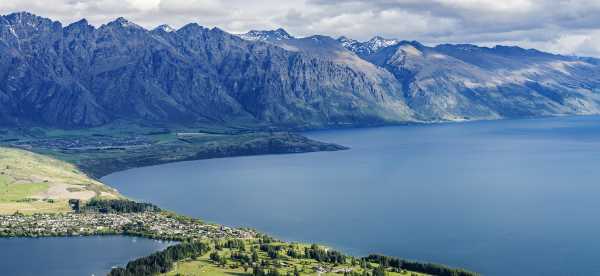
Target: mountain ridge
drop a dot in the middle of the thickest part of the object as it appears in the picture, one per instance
(80, 76)
(192, 75)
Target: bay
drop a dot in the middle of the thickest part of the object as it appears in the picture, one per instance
(511, 197)
(72, 256)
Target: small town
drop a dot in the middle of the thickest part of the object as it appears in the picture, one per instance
(159, 225)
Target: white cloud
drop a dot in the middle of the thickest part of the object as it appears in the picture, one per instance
(563, 26)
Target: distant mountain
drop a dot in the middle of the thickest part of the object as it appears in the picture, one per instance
(80, 76)
(368, 47)
(274, 35)
(464, 82)
(453, 82)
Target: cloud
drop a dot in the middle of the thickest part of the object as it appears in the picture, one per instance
(563, 26)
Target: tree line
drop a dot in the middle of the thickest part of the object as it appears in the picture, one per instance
(427, 268)
(118, 206)
(162, 262)
(320, 254)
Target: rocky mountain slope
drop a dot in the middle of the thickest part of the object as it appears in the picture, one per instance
(80, 76)
(465, 82)
(453, 82)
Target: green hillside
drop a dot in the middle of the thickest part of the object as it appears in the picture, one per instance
(33, 183)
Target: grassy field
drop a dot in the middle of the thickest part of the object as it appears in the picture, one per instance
(204, 267)
(14, 192)
(33, 183)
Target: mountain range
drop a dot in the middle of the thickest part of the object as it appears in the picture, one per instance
(81, 76)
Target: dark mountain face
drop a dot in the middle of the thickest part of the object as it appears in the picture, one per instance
(80, 76)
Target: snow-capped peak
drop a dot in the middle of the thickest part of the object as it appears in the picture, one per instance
(165, 28)
(122, 22)
(254, 35)
(379, 42)
(367, 47)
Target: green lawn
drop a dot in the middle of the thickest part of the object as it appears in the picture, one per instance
(14, 192)
(34, 183)
(204, 267)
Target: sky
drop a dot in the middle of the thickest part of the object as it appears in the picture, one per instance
(569, 27)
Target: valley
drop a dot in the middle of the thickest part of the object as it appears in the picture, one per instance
(495, 197)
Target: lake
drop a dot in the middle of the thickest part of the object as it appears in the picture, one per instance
(512, 197)
(73, 256)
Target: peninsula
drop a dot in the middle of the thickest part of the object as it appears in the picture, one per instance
(44, 197)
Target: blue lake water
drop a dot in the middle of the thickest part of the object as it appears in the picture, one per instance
(513, 197)
(75, 256)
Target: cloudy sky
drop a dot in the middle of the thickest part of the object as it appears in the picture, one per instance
(562, 26)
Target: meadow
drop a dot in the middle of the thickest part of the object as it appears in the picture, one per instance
(33, 183)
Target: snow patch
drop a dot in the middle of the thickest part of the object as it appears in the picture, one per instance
(12, 31)
(279, 35)
(378, 42)
(165, 28)
(126, 23)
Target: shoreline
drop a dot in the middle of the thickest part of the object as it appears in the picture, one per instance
(265, 146)
(284, 148)
(278, 140)
(127, 218)
(309, 145)
(141, 163)
(98, 163)
(210, 234)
